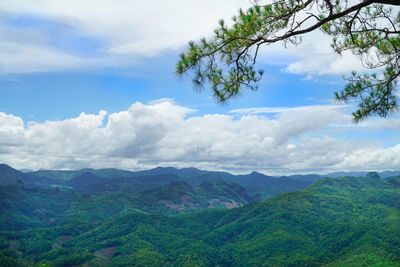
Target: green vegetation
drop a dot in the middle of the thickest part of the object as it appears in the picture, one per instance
(24, 207)
(113, 180)
(351, 221)
(368, 28)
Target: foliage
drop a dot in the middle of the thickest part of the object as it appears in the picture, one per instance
(367, 28)
(351, 221)
(105, 181)
(9, 258)
(23, 207)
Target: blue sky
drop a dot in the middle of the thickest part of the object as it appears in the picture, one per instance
(94, 86)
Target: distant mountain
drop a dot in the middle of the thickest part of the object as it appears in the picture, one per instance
(384, 174)
(387, 174)
(342, 174)
(25, 170)
(350, 221)
(255, 183)
(113, 180)
(56, 177)
(186, 172)
(258, 185)
(70, 174)
(305, 178)
(112, 173)
(9, 175)
(192, 176)
(82, 180)
(127, 184)
(268, 186)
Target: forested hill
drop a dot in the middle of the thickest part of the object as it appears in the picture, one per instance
(163, 175)
(24, 207)
(349, 221)
(113, 180)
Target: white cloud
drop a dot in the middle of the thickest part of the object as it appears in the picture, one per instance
(25, 58)
(287, 109)
(388, 124)
(26, 50)
(314, 56)
(127, 29)
(373, 124)
(162, 133)
(123, 28)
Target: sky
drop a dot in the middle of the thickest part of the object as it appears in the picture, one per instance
(87, 85)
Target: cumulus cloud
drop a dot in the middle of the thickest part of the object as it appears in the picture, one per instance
(167, 134)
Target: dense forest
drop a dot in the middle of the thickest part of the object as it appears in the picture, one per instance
(189, 217)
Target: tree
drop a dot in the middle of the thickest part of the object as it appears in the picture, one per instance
(370, 29)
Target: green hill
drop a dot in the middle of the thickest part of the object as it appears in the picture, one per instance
(112, 180)
(9, 175)
(351, 221)
(25, 207)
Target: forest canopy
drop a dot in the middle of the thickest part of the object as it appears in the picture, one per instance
(370, 29)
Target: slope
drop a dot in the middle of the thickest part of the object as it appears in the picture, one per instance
(335, 222)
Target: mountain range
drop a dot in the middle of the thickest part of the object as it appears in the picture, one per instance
(189, 217)
(111, 180)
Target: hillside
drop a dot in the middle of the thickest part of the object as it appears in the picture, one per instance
(9, 175)
(25, 207)
(100, 181)
(350, 221)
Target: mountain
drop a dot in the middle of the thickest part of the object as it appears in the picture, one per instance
(25, 207)
(222, 189)
(184, 172)
(58, 175)
(387, 174)
(268, 186)
(9, 175)
(192, 176)
(179, 197)
(128, 184)
(25, 170)
(306, 177)
(349, 221)
(112, 180)
(82, 180)
(67, 175)
(342, 174)
(258, 185)
(384, 174)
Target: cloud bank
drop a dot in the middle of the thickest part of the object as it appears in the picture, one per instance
(167, 134)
